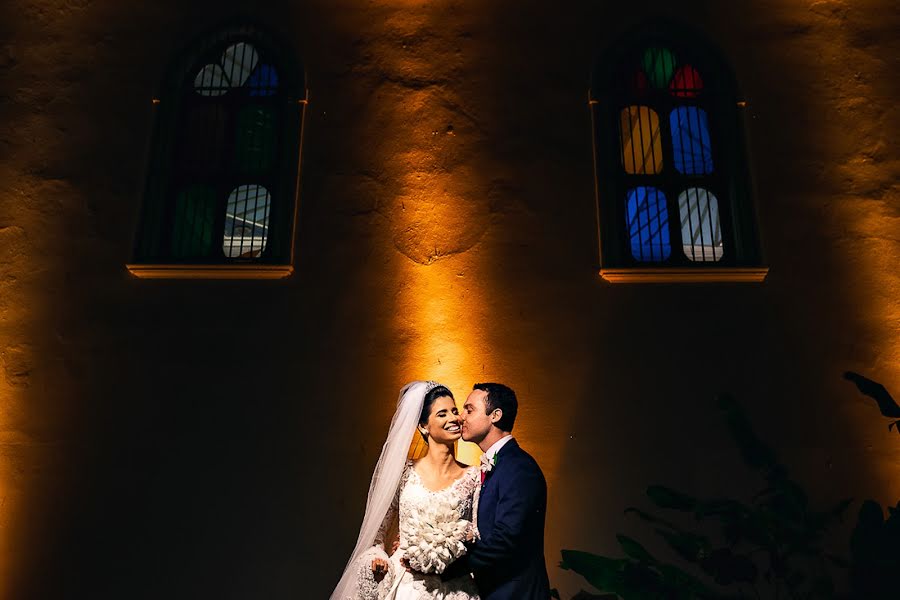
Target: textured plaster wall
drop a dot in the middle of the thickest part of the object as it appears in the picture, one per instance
(175, 439)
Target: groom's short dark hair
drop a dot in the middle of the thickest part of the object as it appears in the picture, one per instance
(502, 397)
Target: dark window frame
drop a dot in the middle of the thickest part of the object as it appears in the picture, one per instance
(730, 180)
(153, 255)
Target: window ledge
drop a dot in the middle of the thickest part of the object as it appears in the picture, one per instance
(685, 275)
(210, 271)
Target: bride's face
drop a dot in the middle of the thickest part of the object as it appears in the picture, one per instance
(444, 424)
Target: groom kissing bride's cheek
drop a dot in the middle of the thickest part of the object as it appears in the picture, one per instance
(437, 529)
(508, 559)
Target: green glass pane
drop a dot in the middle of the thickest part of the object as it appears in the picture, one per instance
(195, 209)
(659, 64)
(255, 147)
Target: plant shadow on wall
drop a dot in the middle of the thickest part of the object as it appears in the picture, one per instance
(770, 546)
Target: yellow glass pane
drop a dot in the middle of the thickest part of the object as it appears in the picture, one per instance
(641, 140)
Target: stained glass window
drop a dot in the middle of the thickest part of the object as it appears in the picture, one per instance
(686, 83)
(246, 221)
(659, 65)
(204, 132)
(223, 182)
(231, 71)
(701, 228)
(192, 233)
(668, 142)
(691, 152)
(641, 140)
(255, 143)
(648, 224)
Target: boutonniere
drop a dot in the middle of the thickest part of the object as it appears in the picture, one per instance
(488, 464)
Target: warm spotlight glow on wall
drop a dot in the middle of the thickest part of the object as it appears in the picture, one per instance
(439, 314)
(437, 210)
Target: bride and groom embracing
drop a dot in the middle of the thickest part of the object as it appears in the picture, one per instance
(437, 529)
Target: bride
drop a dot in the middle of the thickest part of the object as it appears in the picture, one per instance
(401, 492)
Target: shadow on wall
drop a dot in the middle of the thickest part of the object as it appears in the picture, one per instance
(772, 546)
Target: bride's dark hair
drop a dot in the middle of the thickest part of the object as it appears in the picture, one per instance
(430, 396)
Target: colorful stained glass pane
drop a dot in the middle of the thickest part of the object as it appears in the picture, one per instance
(263, 81)
(637, 83)
(647, 219)
(641, 140)
(701, 228)
(687, 82)
(659, 65)
(690, 140)
(211, 81)
(255, 143)
(192, 234)
(204, 137)
(238, 61)
(247, 222)
(231, 71)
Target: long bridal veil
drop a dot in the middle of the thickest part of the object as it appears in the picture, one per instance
(385, 480)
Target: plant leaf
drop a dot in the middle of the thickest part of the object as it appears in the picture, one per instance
(605, 574)
(755, 453)
(633, 549)
(688, 546)
(645, 516)
(726, 567)
(665, 497)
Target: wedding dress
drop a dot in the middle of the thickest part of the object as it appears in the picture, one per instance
(413, 496)
(397, 495)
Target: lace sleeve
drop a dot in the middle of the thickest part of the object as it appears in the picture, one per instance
(389, 530)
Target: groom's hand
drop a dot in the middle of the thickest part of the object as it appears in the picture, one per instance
(457, 568)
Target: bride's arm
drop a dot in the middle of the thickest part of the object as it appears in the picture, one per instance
(389, 533)
(388, 536)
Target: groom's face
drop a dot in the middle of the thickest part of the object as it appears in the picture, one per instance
(476, 423)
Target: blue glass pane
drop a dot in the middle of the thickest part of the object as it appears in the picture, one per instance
(263, 81)
(648, 224)
(690, 140)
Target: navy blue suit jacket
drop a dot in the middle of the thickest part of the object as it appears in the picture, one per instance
(508, 560)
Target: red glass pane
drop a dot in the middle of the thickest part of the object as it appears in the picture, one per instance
(637, 83)
(686, 83)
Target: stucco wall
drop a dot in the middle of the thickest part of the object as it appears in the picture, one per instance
(177, 439)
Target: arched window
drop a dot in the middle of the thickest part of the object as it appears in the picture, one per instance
(221, 195)
(673, 193)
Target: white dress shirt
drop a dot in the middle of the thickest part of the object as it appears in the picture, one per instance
(495, 447)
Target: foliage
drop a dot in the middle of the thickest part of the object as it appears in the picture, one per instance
(774, 541)
(875, 542)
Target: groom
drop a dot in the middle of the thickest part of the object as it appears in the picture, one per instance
(508, 560)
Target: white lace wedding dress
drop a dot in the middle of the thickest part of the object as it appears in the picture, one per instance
(412, 495)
